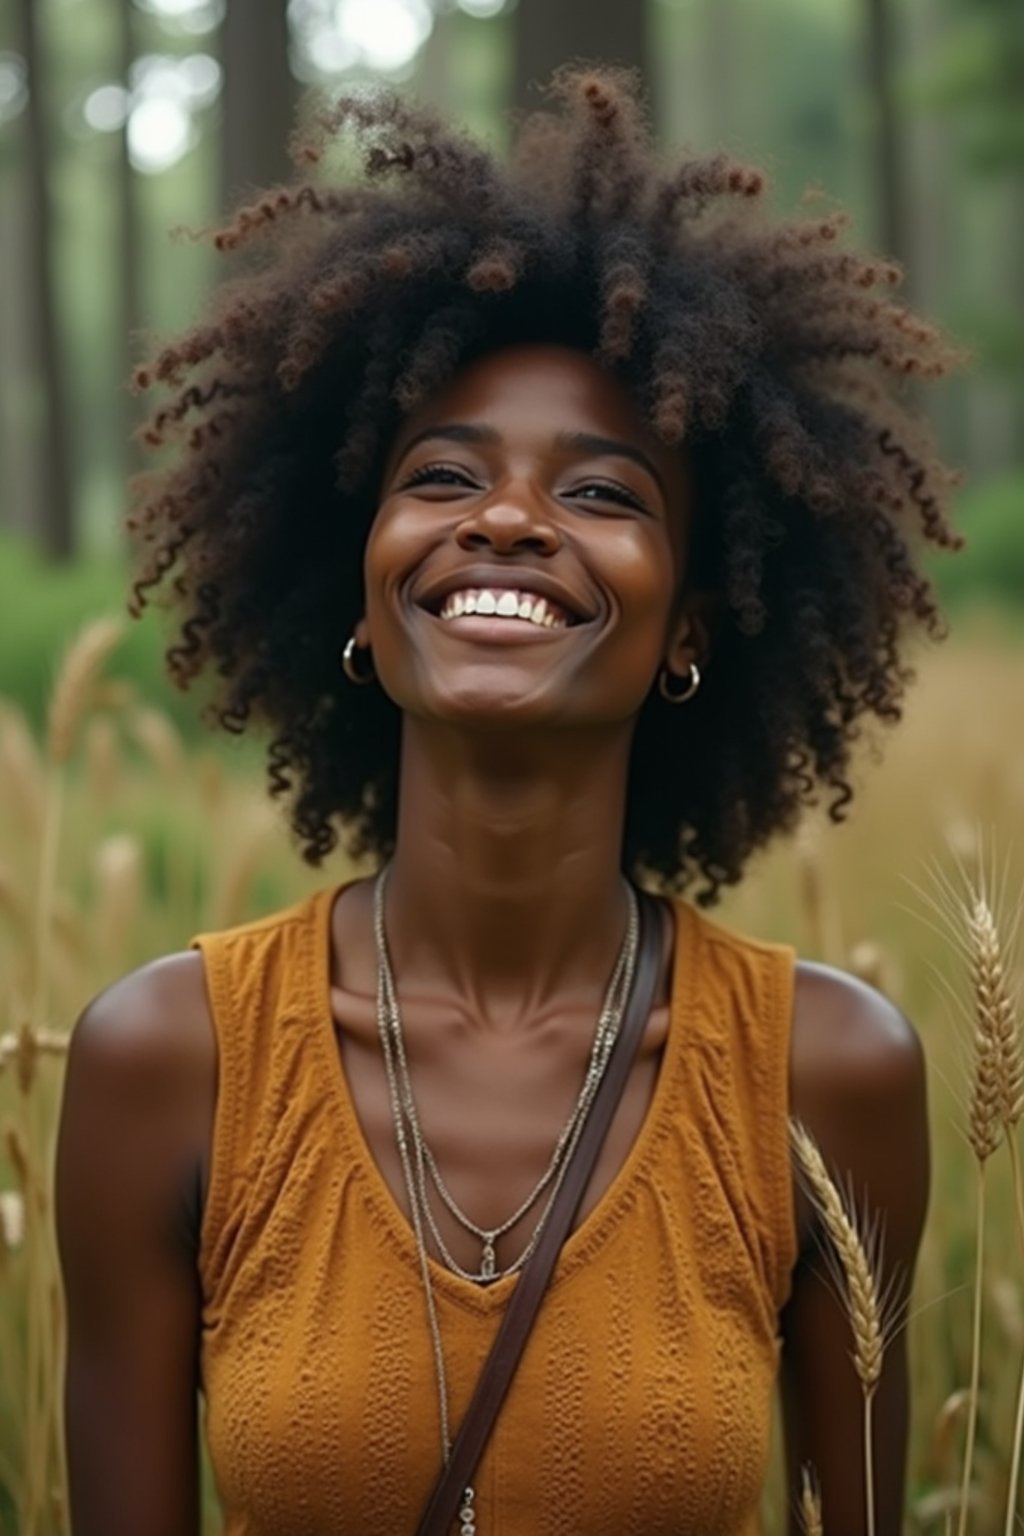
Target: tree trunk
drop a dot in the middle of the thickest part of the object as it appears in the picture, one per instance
(259, 97)
(56, 512)
(129, 273)
(888, 177)
(718, 88)
(21, 498)
(552, 32)
(935, 228)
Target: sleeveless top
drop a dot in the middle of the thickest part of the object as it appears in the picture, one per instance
(643, 1400)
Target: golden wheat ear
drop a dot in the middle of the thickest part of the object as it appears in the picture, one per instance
(860, 1285)
(982, 924)
(856, 1269)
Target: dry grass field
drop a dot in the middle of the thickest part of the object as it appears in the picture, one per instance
(117, 844)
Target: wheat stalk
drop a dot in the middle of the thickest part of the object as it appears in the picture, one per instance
(997, 1099)
(255, 825)
(210, 781)
(12, 1220)
(12, 903)
(73, 690)
(102, 760)
(1018, 1429)
(862, 1294)
(161, 743)
(868, 961)
(984, 1132)
(996, 1013)
(117, 867)
(810, 1504)
(165, 750)
(821, 917)
(964, 909)
(19, 760)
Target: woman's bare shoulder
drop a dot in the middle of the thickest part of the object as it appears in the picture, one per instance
(154, 1021)
(146, 1043)
(848, 1041)
(857, 1081)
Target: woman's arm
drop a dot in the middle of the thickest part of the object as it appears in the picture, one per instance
(134, 1127)
(858, 1084)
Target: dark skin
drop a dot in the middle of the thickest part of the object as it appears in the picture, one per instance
(504, 906)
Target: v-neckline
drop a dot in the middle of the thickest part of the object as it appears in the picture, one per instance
(598, 1221)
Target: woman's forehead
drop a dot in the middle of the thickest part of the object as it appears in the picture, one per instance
(543, 390)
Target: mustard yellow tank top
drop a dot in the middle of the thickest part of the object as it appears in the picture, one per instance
(643, 1401)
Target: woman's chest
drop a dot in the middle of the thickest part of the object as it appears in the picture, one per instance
(495, 1115)
(642, 1402)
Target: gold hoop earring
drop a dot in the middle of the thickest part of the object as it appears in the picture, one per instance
(349, 668)
(687, 693)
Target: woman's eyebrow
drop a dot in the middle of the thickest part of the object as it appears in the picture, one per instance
(453, 432)
(588, 442)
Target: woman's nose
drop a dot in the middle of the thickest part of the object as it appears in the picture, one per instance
(510, 518)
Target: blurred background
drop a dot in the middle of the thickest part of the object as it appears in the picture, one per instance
(121, 120)
(127, 127)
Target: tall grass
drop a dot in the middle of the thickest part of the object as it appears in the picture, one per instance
(117, 842)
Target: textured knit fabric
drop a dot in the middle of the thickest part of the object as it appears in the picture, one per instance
(643, 1401)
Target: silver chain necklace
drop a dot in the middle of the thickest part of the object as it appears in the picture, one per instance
(403, 1110)
(604, 1038)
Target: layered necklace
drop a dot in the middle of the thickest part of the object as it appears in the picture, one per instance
(419, 1165)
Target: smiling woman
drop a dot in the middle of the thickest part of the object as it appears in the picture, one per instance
(558, 519)
(561, 495)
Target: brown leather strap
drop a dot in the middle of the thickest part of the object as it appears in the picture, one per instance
(500, 1365)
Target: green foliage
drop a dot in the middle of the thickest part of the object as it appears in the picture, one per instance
(991, 568)
(977, 75)
(41, 608)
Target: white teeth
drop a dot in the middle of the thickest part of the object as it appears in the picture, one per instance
(505, 603)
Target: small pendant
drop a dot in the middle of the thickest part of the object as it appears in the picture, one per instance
(487, 1263)
(467, 1514)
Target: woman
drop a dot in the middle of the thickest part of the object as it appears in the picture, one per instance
(598, 484)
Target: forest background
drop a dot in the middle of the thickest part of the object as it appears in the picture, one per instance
(124, 120)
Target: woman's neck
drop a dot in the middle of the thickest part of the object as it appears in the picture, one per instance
(506, 886)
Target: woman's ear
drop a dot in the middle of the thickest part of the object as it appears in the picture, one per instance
(691, 631)
(362, 633)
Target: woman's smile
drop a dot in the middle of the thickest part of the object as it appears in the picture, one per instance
(503, 607)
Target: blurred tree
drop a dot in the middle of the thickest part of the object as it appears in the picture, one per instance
(550, 32)
(129, 274)
(976, 81)
(259, 96)
(979, 74)
(720, 28)
(54, 506)
(889, 180)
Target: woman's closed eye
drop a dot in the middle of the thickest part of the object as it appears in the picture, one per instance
(607, 490)
(438, 474)
(448, 475)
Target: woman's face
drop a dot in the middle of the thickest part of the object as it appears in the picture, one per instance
(530, 489)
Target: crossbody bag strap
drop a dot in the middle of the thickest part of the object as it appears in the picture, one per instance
(500, 1365)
